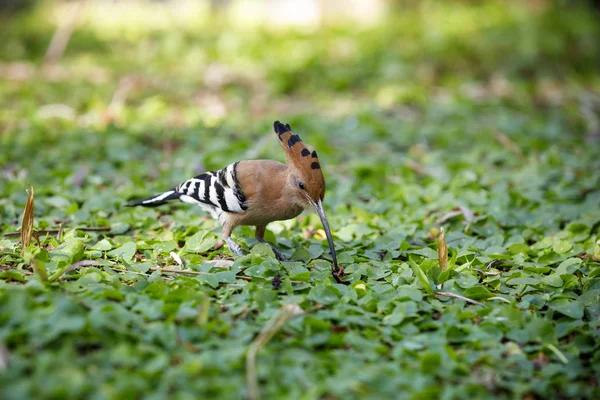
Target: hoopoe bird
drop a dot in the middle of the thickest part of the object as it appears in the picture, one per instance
(257, 192)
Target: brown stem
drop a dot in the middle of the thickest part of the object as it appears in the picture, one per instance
(458, 296)
(62, 35)
(55, 231)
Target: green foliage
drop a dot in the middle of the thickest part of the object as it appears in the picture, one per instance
(479, 117)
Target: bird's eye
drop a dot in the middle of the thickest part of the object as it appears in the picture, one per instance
(301, 185)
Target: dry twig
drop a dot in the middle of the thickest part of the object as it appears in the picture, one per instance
(508, 144)
(272, 326)
(458, 296)
(42, 232)
(62, 35)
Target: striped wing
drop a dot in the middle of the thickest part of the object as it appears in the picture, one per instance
(219, 189)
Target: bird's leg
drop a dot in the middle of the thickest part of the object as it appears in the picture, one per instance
(235, 248)
(260, 236)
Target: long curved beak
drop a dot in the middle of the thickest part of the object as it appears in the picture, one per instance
(319, 208)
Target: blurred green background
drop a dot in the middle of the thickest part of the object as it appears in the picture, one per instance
(182, 86)
(481, 116)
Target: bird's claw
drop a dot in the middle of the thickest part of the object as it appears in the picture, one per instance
(338, 274)
(278, 254)
(235, 248)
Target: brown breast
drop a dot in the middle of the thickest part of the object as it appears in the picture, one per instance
(265, 185)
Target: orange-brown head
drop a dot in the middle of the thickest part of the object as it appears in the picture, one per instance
(304, 164)
(308, 180)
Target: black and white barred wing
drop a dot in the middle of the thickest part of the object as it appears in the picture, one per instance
(215, 191)
(219, 189)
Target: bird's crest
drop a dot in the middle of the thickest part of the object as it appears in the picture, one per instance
(299, 157)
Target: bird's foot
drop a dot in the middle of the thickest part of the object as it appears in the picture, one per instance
(279, 255)
(235, 248)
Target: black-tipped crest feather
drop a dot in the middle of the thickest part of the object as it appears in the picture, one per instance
(280, 128)
(297, 157)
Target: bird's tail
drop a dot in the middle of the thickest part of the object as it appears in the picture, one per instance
(156, 200)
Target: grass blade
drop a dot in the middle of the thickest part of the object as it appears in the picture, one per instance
(421, 276)
(557, 352)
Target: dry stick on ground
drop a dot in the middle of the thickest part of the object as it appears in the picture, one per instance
(82, 263)
(56, 231)
(466, 212)
(60, 231)
(188, 272)
(272, 326)
(458, 296)
(125, 86)
(89, 263)
(508, 144)
(62, 35)
(447, 216)
(416, 167)
(499, 298)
